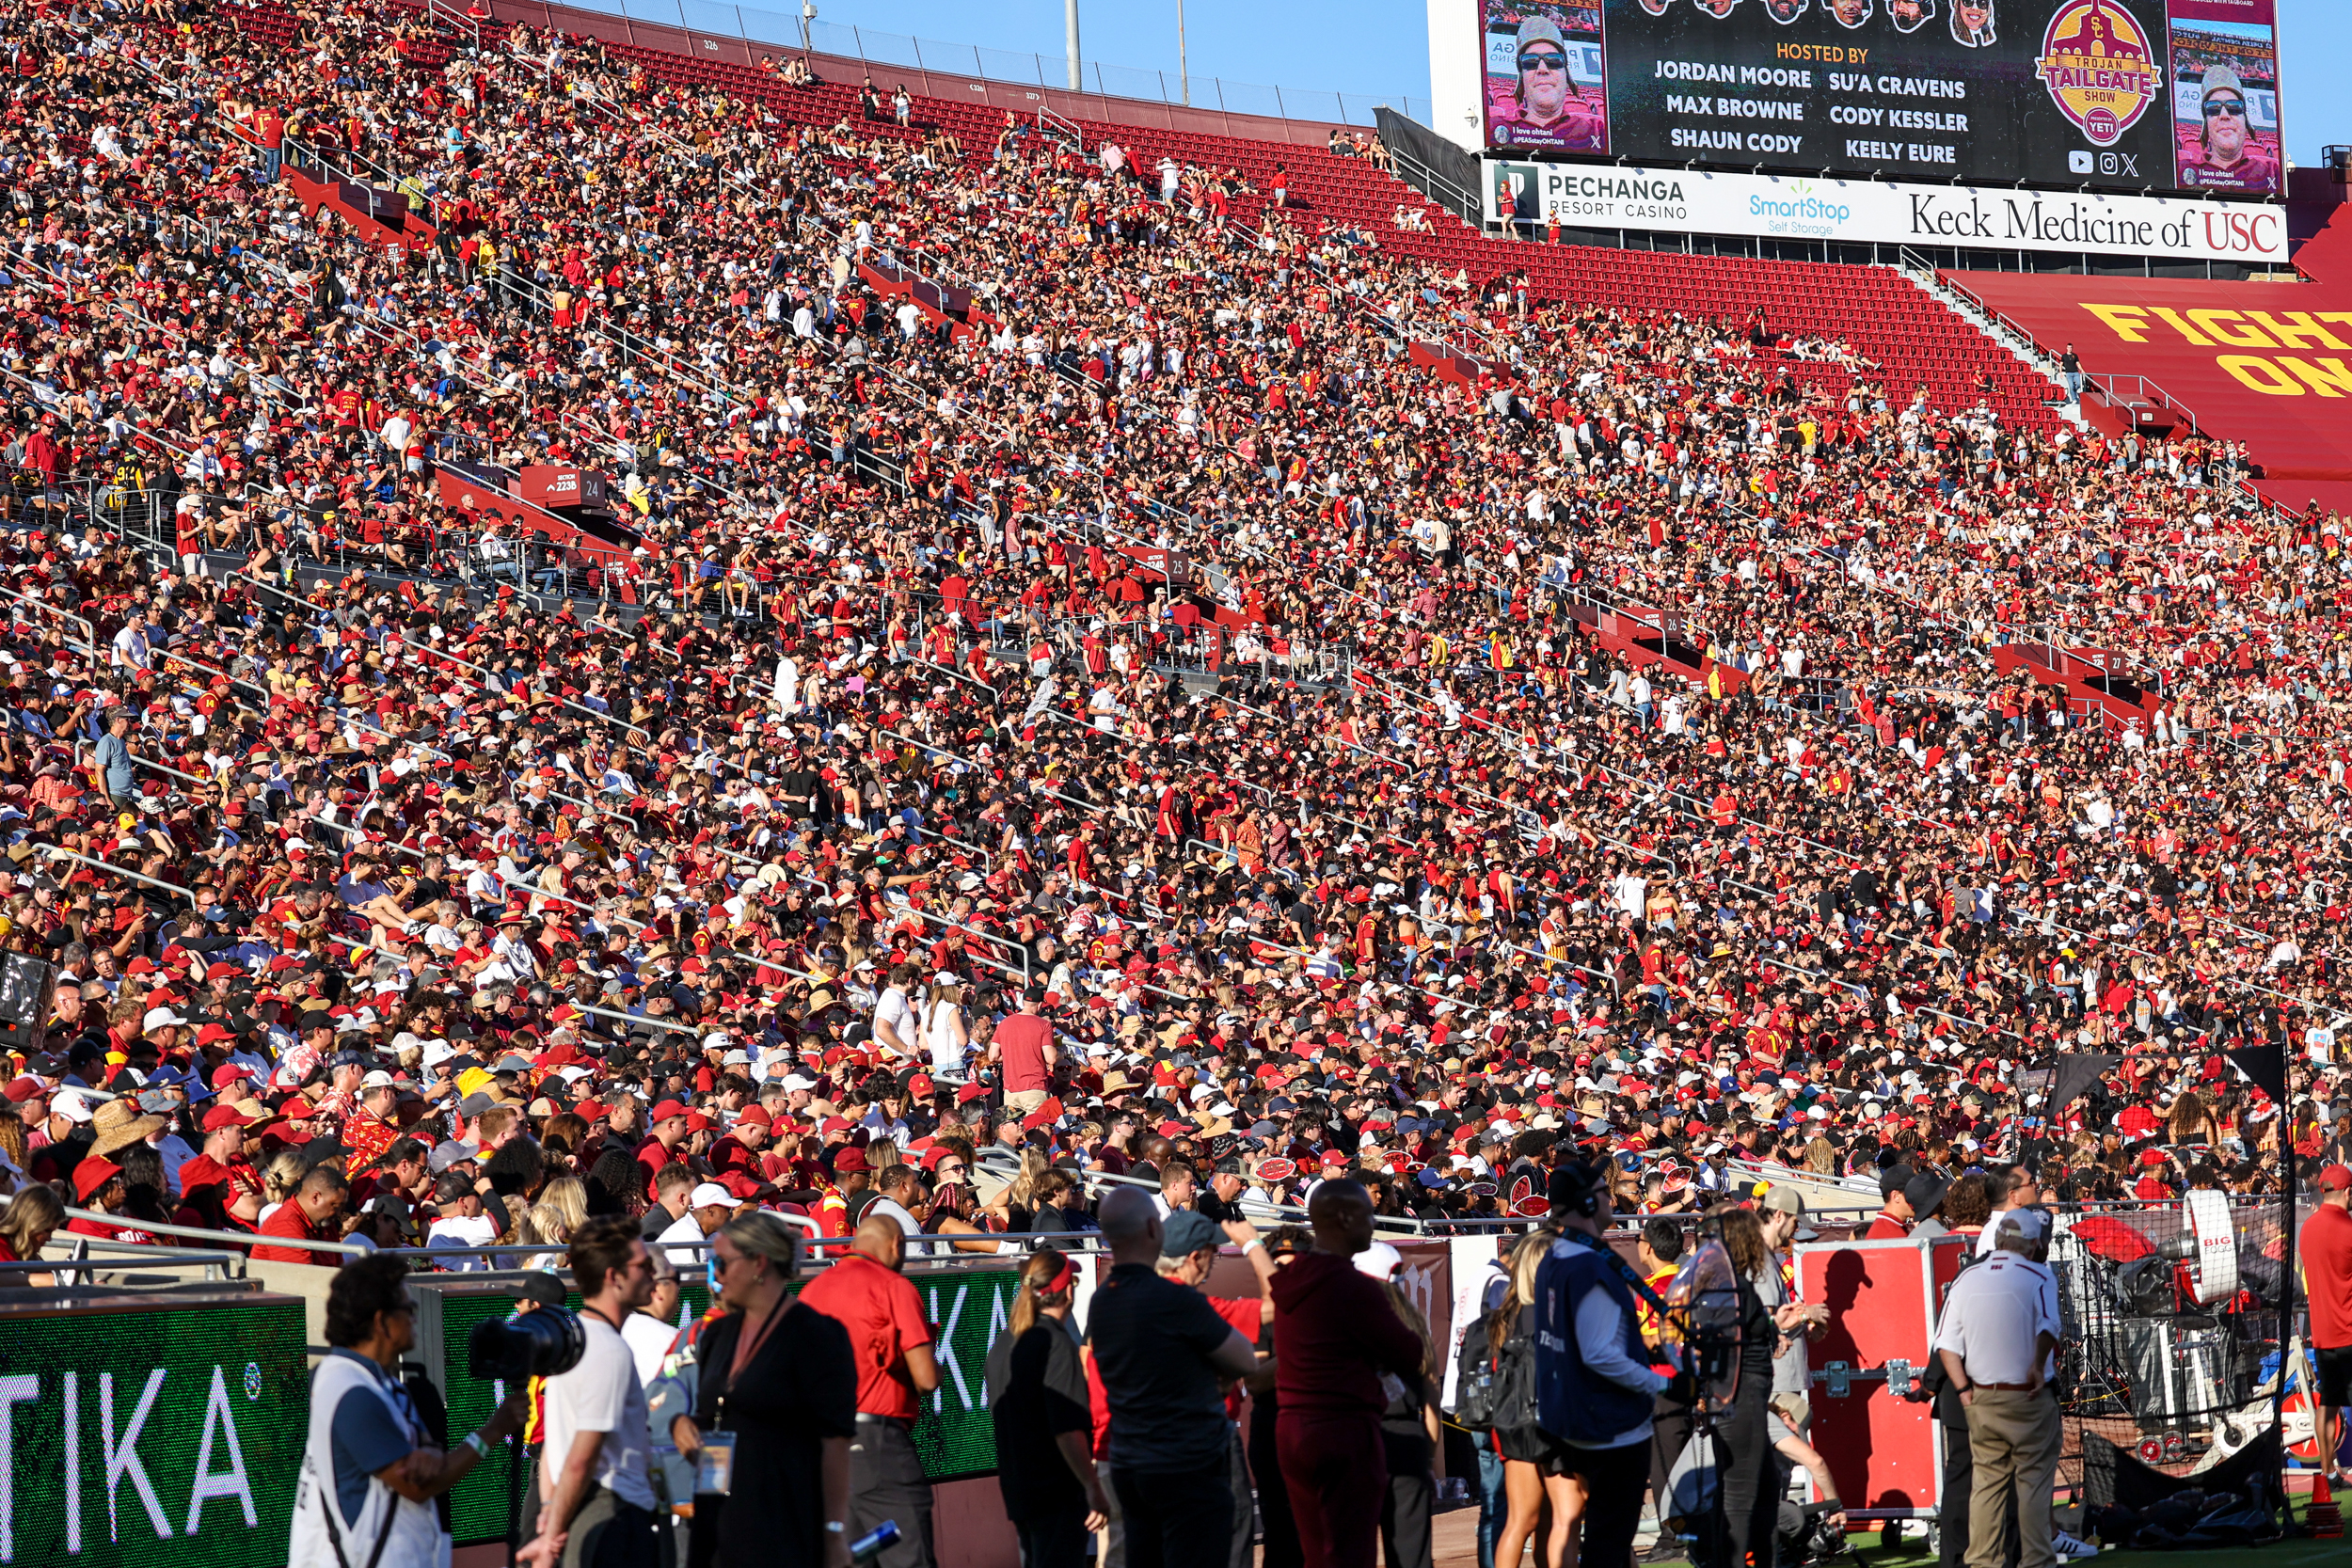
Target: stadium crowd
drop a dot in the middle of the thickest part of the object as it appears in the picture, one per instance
(1143, 725)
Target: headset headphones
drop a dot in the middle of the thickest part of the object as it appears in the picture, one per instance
(1578, 1189)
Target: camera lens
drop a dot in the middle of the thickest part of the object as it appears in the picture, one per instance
(541, 1344)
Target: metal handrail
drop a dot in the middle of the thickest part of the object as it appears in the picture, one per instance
(56, 853)
(240, 1239)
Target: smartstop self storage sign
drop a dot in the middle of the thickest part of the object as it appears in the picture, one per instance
(150, 1434)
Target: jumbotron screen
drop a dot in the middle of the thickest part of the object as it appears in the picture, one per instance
(2112, 94)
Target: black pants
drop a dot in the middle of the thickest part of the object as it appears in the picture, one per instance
(609, 1533)
(1670, 1434)
(886, 1481)
(1412, 1495)
(1612, 1505)
(1952, 1515)
(1054, 1540)
(1743, 1472)
(1279, 1531)
(1177, 1519)
(1245, 1515)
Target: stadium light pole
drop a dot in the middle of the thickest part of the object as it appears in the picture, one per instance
(1184, 69)
(1070, 40)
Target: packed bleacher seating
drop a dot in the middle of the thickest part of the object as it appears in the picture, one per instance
(1403, 697)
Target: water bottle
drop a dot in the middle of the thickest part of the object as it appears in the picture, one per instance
(866, 1548)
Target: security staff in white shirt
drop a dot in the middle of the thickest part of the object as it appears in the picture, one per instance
(1998, 1344)
(369, 1472)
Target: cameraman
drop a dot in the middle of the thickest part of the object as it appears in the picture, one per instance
(369, 1473)
(1596, 1393)
(598, 1509)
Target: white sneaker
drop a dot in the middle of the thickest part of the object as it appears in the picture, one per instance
(2069, 1549)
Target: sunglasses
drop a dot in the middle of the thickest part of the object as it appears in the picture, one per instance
(1547, 61)
(2215, 108)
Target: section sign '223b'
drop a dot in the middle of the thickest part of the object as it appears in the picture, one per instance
(2114, 94)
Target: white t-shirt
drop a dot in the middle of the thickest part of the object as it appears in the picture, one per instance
(458, 1231)
(897, 1213)
(649, 1341)
(680, 1234)
(602, 1394)
(893, 1009)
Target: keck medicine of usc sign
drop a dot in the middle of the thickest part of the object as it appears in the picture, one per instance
(1684, 202)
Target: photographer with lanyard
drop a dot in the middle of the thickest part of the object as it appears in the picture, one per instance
(597, 1504)
(370, 1470)
(1594, 1390)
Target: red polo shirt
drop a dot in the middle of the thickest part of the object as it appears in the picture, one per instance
(288, 1220)
(884, 1317)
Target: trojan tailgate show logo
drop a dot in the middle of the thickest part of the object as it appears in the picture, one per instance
(2100, 70)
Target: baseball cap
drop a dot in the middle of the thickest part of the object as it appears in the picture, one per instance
(1380, 1260)
(849, 1159)
(161, 1018)
(1187, 1231)
(710, 1194)
(541, 1287)
(2335, 1179)
(667, 1109)
(1781, 1198)
(225, 1115)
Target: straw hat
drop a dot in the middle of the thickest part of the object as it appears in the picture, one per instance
(120, 1125)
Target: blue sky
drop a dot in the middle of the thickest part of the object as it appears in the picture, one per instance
(1382, 46)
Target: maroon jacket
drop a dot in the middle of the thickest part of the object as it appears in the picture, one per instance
(1334, 1335)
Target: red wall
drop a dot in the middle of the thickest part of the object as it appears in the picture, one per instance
(2270, 364)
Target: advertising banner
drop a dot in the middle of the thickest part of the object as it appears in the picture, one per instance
(1587, 195)
(152, 1434)
(2098, 94)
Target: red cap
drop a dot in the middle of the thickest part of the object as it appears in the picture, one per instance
(225, 1115)
(2335, 1179)
(92, 1174)
(667, 1109)
(755, 1115)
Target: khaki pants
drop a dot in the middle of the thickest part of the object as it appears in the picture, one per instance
(1025, 1102)
(2013, 1439)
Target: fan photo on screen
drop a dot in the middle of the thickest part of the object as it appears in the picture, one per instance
(2225, 105)
(1544, 86)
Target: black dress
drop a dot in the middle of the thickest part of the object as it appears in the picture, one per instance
(798, 1388)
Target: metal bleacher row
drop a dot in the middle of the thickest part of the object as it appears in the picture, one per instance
(1885, 317)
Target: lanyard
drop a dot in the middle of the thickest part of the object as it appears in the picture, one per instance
(746, 1350)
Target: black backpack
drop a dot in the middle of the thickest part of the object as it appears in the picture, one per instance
(1494, 1391)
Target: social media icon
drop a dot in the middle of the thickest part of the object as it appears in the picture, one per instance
(2107, 163)
(2078, 162)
